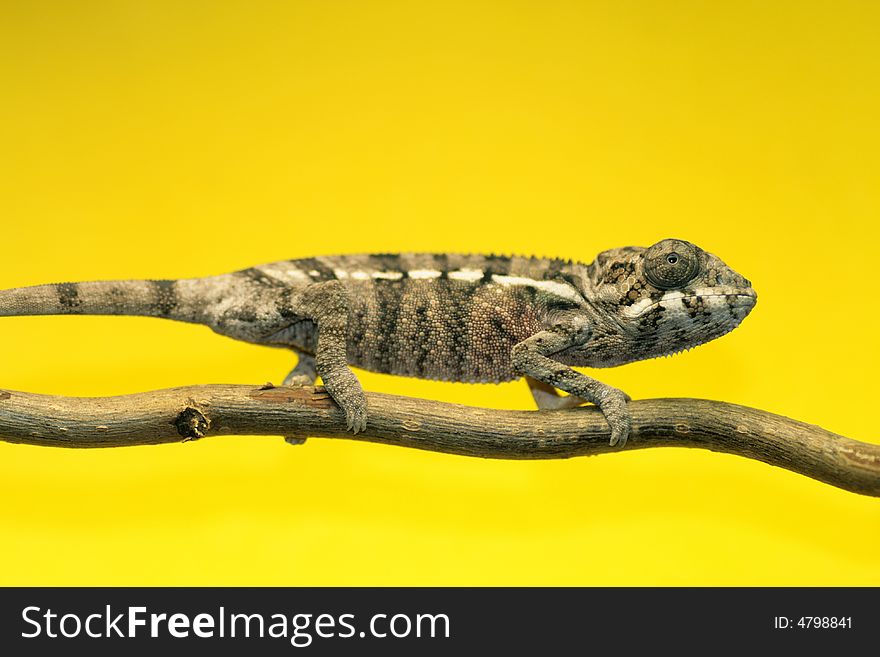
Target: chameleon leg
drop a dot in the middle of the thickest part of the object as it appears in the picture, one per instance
(303, 374)
(327, 305)
(530, 358)
(548, 398)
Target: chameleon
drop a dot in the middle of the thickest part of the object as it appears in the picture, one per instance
(445, 316)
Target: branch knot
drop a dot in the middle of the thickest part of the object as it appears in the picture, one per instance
(191, 424)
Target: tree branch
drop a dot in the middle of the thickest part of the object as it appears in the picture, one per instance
(188, 413)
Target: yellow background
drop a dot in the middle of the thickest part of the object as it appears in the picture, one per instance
(179, 139)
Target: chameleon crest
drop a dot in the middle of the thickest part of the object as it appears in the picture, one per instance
(453, 317)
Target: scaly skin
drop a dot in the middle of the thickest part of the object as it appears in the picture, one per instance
(452, 317)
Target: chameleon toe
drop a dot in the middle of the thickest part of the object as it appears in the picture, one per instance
(356, 418)
(619, 436)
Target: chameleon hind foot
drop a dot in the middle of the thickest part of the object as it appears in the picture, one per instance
(346, 391)
(304, 374)
(327, 304)
(342, 386)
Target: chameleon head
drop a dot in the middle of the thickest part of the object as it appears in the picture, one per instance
(668, 298)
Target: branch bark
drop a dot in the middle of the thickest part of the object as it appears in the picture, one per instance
(188, 413)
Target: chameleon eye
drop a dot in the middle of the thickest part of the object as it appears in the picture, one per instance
(671, 264)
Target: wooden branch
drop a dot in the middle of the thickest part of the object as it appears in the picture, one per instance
(192, 412)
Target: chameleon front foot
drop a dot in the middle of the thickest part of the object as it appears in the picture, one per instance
(611, 401)
(613, 406)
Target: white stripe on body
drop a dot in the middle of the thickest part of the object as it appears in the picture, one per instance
(552, 287)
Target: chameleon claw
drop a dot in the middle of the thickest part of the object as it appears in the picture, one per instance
(356, 426)
(619, 434)
(356, 420)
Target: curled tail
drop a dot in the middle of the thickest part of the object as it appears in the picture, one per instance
(183, 300)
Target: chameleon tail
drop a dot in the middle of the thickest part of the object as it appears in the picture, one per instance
(170, 299)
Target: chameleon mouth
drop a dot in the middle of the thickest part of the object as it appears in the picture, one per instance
(744, 299)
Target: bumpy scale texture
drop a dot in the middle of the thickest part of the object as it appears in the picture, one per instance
(475, 318)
